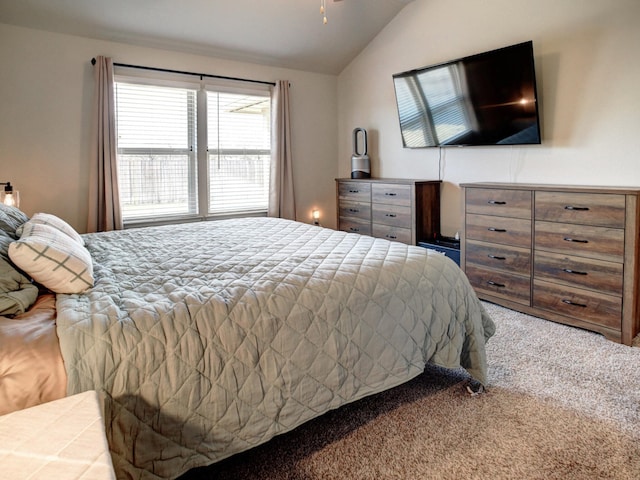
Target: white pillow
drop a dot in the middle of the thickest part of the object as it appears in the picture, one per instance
(55, 222)
(52, 259)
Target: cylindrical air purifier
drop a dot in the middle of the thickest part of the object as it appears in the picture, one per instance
(360, 163)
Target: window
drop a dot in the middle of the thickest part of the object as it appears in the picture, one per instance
(239, 152)
(191, 151)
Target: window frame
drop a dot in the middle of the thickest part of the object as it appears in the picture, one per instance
(199, 181)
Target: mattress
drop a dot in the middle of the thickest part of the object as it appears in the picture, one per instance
(210, 338)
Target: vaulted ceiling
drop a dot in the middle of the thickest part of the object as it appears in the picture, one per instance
(283, 33)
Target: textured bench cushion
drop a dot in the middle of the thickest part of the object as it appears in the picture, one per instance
(62, 440)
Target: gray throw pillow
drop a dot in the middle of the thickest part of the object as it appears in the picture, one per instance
(10, 219)
(5, 240)
(17, 293)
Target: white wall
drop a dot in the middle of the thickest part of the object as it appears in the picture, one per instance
(588, 81)
(588, 72)
(46, 91)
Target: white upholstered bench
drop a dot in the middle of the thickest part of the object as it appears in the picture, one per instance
(61, 440)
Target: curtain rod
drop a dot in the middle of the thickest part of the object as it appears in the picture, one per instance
(201, 75)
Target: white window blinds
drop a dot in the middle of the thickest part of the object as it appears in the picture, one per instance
(159, 158)
(239, 152)
(156, 135)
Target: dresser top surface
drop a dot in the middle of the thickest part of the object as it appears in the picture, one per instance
(553, 187)
(387, 180)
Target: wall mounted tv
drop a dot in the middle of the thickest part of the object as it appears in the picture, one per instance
(484, 99)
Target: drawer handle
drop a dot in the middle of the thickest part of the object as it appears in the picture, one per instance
(577, 209)
(392, 237)
(354, 191)
(573, 304)
(495, 284)
(354, 210)
(392, 215)
(390, 194)
(575, 272)
(354, 229)
(495, 257)
(499, 230)
(575, 240)
(496, 202)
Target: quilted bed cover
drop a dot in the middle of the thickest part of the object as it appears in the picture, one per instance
(210, 338)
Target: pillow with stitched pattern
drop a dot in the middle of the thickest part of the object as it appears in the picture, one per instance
(52, 259)
(55, 222)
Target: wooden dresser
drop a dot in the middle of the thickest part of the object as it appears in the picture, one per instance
(564, 253)
(396, 209)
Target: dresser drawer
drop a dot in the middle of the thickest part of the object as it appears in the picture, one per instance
(511, 287)
(352, 225)
(579, 272)
(355, 210)
(606, 210)
(503, 230)
(580, 240)
(394, 215)
(354, 191)
(505, 203)
(389, 193)
(500, 257)
(397, 234)
(580, 304)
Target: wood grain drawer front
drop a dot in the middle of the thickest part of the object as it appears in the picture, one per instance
(579, 272)
(391, 194)
(606, 210)
(503, 230)
(500, 257)
(356, 210)
(392, 215)
(505, 203)
(352, 225)
(581, 240)
(500, 284)
(580, 304)
(354, 191)
(396, 234)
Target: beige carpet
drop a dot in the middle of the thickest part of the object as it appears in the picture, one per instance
(562, 403)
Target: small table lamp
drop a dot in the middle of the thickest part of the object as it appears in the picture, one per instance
(9, 196)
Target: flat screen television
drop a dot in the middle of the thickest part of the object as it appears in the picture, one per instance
(485, 99)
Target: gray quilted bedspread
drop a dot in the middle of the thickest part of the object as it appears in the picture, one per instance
(210, 338)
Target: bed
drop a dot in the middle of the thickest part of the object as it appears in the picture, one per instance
(210, 338)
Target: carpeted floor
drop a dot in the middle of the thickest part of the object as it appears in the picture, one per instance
(561, 403)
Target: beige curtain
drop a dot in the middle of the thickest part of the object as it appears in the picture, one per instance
(281, 198)
(104, 204)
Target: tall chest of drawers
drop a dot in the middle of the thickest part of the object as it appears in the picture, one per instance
(402, 210)
(567, 254)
